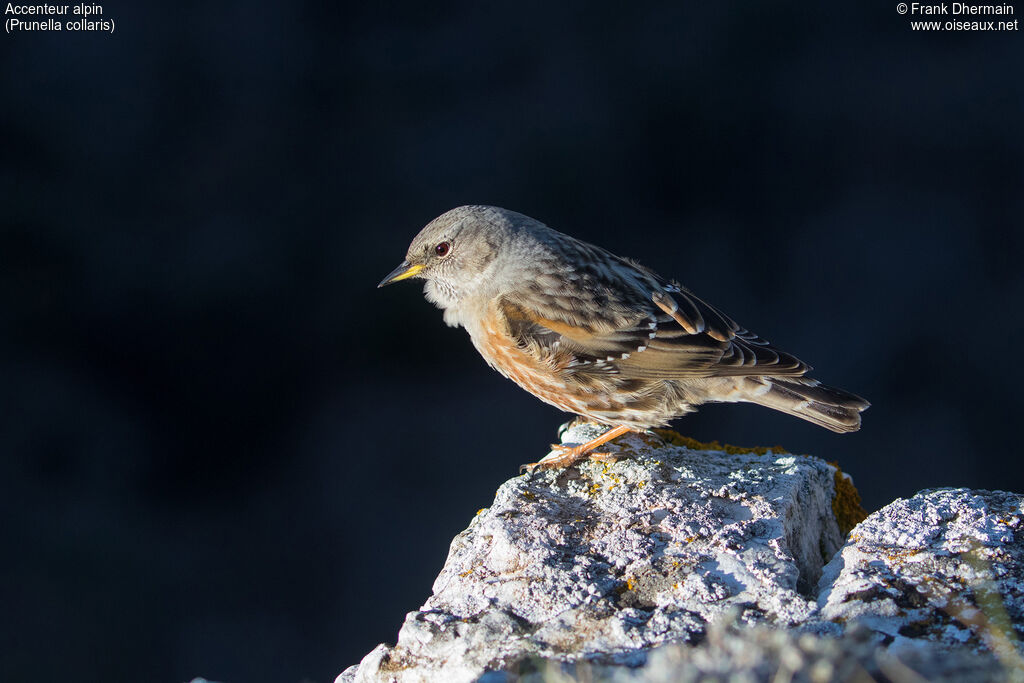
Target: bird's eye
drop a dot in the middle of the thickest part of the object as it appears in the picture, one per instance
(442, 249)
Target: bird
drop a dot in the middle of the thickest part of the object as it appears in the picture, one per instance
(599, 335)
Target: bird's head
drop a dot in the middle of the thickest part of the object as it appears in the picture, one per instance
(456, 253)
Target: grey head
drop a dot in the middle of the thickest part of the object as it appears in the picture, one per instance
(456, 253)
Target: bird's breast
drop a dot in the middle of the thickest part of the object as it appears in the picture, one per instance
(505, 354)
(555, 380)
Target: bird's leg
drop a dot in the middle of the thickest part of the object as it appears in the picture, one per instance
(564, 456)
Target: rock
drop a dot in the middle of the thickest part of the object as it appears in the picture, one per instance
(946, 565)
(603, 561)
(679, 562)
(763, 653)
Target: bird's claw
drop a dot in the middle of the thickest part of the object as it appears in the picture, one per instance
(564, 456)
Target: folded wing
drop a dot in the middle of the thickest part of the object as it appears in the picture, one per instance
(621, 318)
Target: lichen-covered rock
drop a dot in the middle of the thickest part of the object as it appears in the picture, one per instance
(946, 565)
(602, 561)
(766, 653)
(681, 562)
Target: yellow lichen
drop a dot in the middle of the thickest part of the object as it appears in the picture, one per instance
(900, 555)
(846, 503)
(676, 439)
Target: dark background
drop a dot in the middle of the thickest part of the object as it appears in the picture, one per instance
(224, 453)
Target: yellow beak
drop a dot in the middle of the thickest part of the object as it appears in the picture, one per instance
(402, 272)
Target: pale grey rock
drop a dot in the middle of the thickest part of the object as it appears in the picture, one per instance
(946, 566)
(602, 561)
(680, 565)
(765, 653)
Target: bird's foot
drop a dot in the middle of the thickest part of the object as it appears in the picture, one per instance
(564, 456)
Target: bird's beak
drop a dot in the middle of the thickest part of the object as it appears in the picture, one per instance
(403, 271)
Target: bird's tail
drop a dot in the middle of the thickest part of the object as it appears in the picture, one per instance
(810, 400)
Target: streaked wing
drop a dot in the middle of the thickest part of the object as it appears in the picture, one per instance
(618, 317)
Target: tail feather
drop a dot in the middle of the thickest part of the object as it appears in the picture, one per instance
(807, 399)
